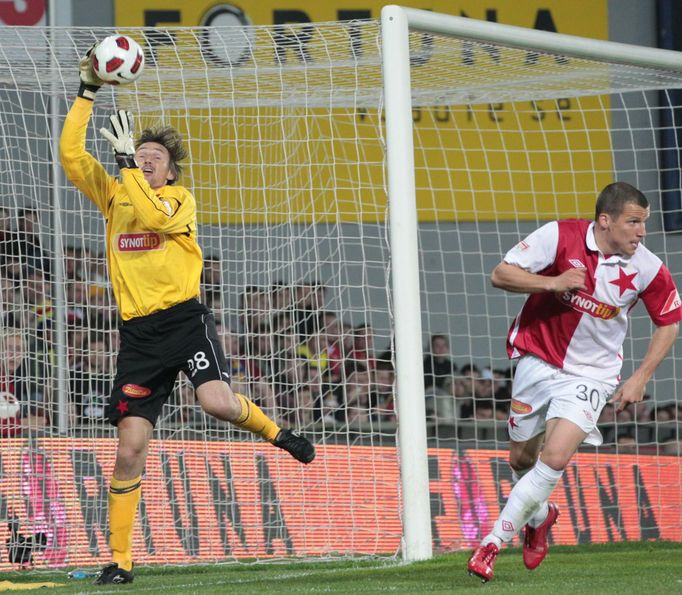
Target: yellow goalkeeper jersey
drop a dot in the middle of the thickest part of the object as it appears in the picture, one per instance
(154, 259)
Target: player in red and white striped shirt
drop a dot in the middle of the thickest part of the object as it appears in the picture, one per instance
(583, 279)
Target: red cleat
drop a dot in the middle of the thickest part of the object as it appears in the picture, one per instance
(482, 561)
(535, 544)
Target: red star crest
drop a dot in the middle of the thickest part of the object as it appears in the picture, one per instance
(512, 423)
(624, 281)
(122, 407)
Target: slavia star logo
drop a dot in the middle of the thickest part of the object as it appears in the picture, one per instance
(624, 281)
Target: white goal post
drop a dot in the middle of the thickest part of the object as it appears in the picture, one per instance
(356, 182)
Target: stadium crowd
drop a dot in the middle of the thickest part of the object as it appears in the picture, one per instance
(297, 360)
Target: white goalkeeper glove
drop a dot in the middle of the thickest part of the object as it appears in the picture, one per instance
(90, 82)
(121, 138)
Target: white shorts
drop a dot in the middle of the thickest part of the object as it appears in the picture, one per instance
(541, 392)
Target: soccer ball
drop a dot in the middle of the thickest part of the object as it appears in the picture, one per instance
(118, 59)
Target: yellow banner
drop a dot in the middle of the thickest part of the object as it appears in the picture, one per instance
(587, 18)
(483, 161)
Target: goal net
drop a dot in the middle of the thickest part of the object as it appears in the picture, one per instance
(287, 161)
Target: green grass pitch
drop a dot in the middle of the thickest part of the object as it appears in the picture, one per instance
(622, 568)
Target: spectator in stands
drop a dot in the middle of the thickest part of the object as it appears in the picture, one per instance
(27, 242)
(282, 323)
(76, 307)
(35, 294)
(24, 405)
(95, 269)
(236, 364)
(310, 296)
(280, 297)
(77, 338)
(382, 399)
(611, 421)
(355, 397)
(212, 285)
(668, 417)
(211, 276)
(297, 406)
(98, 301)
(12, 347)
(347, 338)
(334, 345)
(6, 237)
(672, 448)
(626, 443)
(662, 413)
(249, 376)
(5, 226)
(75, 263)
(13, 269)
(313, 347)
(258, 351)
(670, 412)
(639, 412)
(502, 392)
(438, 365)
(102, 315)
(463, 389)
(10, 304)
(325, 399)
(363, 346)
(214, 302)
(482, 406)
(308, 299)
(292, 369)
(254, 310)
(91, 384)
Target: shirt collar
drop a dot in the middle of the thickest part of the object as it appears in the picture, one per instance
(591, 243)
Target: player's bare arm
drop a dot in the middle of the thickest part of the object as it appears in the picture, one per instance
(632, 391)
(511, 277)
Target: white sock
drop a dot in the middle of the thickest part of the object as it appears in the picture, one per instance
(541, 514)
(528, 496)
(517, 475)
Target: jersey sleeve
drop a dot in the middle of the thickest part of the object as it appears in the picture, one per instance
(80, 167)
(537, 251)
(662, 299)
(170, 211)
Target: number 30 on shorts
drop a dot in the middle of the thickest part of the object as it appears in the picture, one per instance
(589, 394)
(198, 362)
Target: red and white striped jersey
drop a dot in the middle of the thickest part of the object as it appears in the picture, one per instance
(582, 331)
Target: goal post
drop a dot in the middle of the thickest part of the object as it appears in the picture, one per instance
(355, 182)
(417, 541)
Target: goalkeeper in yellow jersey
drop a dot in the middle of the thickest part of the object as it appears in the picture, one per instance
(155, 266)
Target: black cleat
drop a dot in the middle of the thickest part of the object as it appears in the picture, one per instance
(297, 446)
(111, 574)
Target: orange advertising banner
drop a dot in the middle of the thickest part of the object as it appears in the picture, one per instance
(207, 501)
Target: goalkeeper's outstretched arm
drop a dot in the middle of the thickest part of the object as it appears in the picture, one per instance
(80, 167)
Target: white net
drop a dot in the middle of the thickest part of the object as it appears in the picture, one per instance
(284, 129)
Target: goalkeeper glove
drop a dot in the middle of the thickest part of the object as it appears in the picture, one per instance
(90, 82)
(121, 138)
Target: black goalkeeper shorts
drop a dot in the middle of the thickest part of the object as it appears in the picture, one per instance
(154, 349)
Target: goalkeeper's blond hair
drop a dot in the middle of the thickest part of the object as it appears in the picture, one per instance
(170, 138)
